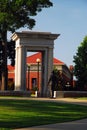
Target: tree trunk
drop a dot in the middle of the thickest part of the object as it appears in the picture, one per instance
(4, 69)
(4, 79)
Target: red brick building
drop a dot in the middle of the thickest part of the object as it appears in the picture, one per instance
(33, 71)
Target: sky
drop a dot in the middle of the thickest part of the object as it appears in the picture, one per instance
(67, 18)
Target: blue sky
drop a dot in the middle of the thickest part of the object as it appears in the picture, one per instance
(67, 18)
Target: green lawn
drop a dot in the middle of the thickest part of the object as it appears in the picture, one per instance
(16, 113)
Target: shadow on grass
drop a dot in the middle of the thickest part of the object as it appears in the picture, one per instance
(27, 113)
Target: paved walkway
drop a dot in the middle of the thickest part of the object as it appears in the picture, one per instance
(64, 100)
(74, 125)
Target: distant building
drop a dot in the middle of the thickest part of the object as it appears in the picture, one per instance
(32, 72)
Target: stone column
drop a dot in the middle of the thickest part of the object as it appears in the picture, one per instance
(50, 61)
(44, 74)
(50, 67)
(20, 69)
(47, 67)
(16, 68)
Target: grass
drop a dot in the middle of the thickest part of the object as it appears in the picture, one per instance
(16, 113)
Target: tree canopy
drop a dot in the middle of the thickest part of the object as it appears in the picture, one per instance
(15, 14)
(80, 60)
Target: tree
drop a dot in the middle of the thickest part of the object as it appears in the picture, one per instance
(80, 69)
(58, 79)
(11, 51)
(1, 58)
(15, 14)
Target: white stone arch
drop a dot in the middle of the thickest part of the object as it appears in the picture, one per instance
(33, 41)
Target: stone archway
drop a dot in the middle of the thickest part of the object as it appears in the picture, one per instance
(33, 41)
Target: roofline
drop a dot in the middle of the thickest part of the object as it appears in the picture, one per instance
(32, 34)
